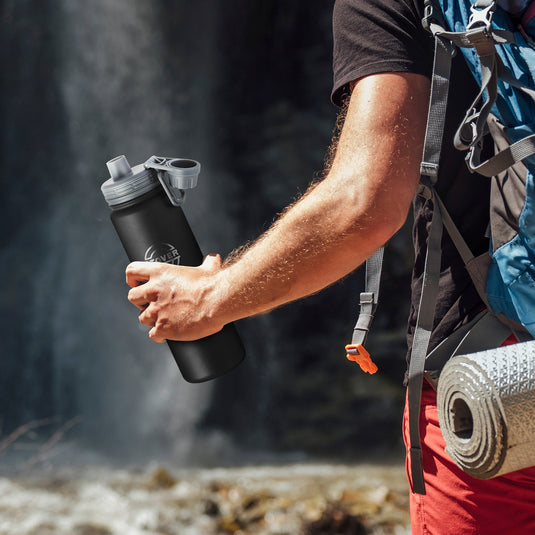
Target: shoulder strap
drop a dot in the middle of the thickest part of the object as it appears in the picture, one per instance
(420, 344)
(444, 51)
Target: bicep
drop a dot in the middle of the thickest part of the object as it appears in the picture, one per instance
(380, 145)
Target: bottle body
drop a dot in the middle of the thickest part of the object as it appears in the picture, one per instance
(152, 229)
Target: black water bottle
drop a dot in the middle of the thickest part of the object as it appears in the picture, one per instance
(146, 212)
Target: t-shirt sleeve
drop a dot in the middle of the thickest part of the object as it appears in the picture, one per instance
(374, 36)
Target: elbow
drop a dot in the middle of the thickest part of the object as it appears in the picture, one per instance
(379, 218)
(398, 217)
(382, 229)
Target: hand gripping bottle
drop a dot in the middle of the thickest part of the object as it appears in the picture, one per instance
(145, 210)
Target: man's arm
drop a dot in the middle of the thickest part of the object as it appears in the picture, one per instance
(331, 230)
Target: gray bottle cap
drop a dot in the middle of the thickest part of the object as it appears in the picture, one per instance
(125, 183)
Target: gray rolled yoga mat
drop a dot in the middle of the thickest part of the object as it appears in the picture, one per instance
(486, 410)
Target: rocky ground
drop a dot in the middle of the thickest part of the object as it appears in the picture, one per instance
(296, 499)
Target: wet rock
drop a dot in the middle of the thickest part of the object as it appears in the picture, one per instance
(162, 479)
(90, 529)
(336, 520)
(43, 529)
(210, 508)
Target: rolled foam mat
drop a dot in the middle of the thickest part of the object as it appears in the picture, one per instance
(486, 409)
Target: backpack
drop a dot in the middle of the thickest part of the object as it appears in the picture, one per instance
(497, 39)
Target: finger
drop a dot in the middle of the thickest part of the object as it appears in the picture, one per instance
(139, 272)
(138, 297)
(156, 336)
(148, 317)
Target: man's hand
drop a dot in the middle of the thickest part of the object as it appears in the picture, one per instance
(174, 300)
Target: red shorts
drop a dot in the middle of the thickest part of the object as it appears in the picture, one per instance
(458, 504)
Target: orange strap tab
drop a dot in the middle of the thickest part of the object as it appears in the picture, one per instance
(358, 354)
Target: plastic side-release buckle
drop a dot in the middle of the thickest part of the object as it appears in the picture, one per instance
(432, 15)
(481, 15)
(357, 353)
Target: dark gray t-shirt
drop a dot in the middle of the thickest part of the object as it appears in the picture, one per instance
(374, 36)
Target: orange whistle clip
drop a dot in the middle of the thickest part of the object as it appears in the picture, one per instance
(358, 354)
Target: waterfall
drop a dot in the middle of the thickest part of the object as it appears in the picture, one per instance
(84, 352)
(241, 86)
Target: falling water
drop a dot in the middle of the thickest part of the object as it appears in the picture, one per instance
(243, 87)
(83, 351)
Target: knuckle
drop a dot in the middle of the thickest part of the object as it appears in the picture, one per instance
(152, 293)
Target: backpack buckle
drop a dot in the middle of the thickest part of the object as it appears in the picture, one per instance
(481, 17)
(357, 353)
(432, 14)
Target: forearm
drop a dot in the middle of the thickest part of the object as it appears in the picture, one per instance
(340, 222)
(315, 243)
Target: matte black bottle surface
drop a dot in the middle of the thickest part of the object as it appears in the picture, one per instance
(146, 213)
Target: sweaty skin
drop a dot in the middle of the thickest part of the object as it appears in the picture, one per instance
(363, 200)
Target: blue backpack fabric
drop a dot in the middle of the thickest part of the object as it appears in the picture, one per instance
(495, 40)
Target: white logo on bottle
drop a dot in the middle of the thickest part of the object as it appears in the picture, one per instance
(162, 252)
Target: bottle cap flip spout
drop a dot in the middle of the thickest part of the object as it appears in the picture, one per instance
(175, 175)
(119, 168)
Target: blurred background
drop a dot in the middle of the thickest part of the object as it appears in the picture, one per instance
(244, 88)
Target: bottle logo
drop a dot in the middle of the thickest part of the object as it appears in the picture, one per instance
(162, 252)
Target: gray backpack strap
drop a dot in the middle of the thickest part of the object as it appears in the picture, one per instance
(445, 47)
(368, 304)
(438, 102)
(524, 148)
(444, 51)
(420, 344)
(485, 331)
(369, 297)
(483, 38)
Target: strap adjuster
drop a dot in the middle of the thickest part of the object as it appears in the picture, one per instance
(357, 353)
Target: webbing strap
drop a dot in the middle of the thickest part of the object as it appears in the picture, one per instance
(444, 51)
(438, 102)
(456, 237)
(420, 344)
(369, 298)
(492, 70)
(504, 159)
(473, 126)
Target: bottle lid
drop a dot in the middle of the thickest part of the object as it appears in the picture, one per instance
(127, 183)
